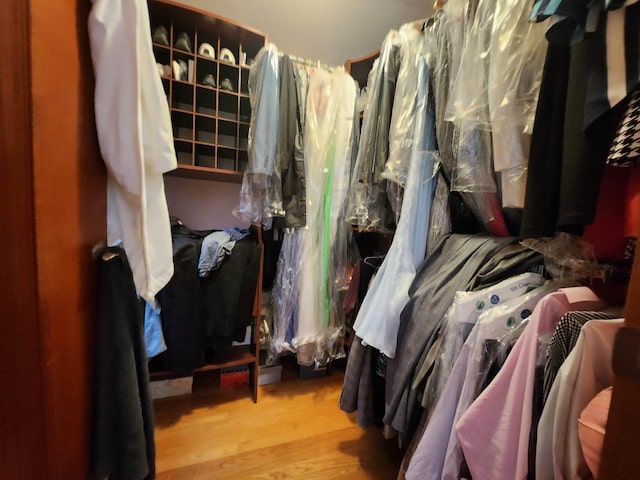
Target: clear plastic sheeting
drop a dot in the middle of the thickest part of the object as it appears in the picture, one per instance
(368, 203)
(285, 293)
(328, 154)
(411, 41)
(469, 95)
(261, 192)
(566, 257)
(464, 313)
(518, 50)
(379, 316)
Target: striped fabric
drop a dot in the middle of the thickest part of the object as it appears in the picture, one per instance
(614, 69)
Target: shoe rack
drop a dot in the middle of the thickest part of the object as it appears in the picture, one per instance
(210, 124)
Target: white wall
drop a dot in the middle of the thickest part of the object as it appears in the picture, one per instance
(331, 31)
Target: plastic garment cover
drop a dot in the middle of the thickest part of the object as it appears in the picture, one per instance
(440, 221)
(379, 316)
(368, 202)
(518, 50)
(432, 458)
(401, 130)
(328, 154)
(260, 194)
(566, 257)
(439, 47)
(464, 313)
(285, 293)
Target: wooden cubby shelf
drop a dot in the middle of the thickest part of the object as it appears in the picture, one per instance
(210, 124)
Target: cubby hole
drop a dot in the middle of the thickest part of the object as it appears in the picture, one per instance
(227, 134)
(226, 158)
(162, 55)
(243, 160)
(205, 35)
(252, 45)
(243, 138)
(205, 129)
(184, 152)
(245, 110)
(187, 67)
(182, 97)
(244, 82)
(206, 67)
(182, 125)
(205, 156)
(228, 106)
(232, 75)
(178, 30)
(206, 102)
(233, 46)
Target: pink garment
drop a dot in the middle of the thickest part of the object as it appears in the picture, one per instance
(592, 427)
(494, 431)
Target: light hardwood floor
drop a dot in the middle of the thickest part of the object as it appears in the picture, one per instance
(295, 431)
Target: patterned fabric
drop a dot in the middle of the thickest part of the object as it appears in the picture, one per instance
(625, 151)
(563, 340)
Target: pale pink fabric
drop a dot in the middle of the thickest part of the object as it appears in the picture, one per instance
(592, 426)
(494, 431)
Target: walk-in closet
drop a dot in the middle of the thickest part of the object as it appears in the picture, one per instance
(374, 239)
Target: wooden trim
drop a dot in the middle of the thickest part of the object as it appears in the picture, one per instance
(22, 417)
(210, 14)
(363, 58)
(621, 449)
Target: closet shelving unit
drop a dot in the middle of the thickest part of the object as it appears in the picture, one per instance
(210, 124)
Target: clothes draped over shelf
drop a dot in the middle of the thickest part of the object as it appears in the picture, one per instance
(202, 314)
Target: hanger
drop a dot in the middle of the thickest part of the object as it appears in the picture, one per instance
(367, 261)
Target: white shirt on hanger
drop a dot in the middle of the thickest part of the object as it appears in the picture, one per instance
(136, 140)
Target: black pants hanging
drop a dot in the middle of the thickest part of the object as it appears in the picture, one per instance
(122, 437)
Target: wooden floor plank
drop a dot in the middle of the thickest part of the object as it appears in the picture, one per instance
(296, 430)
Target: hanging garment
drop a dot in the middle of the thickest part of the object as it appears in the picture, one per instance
(368, 201)
(286, 291)
(463, 314)
(494, 431)
(379, 316)
(122, 438)
(614, 66)
(227, 295)
(586, 371)
(328, 145)
(363, 389)
(136, 140)
(180, 307)
(404, 112)
(438, 454)
(450, 268)
(625, 150)
(261, 191)
(289, 161)
(563, 340)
